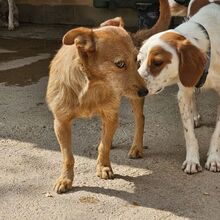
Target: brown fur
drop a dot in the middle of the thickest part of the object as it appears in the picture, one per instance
(178, 10)
(158, 59)
(85, 81)
(198, 4)
(162, 24)
(191, 59)
(118, 21)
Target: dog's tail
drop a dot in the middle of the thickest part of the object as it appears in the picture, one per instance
(162, 24)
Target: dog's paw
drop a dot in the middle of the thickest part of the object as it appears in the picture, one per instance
(213, 163)
(104, 172)
(63, 184)
(191, 167)
(197, 120)
(135, 153)
(11, 27)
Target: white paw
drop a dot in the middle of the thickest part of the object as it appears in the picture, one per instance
(197, 120)
(63, 184)
(191, 166)
(213, 162)
(11, 27)
(104, 172)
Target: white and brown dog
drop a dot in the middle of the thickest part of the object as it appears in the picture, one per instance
(186, 56)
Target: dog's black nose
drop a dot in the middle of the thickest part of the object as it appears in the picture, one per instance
(142, 92)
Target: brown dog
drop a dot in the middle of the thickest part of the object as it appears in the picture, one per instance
(90, 73)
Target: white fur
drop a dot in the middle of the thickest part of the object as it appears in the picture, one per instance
(209, 17)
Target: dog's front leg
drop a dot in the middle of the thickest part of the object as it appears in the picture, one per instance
(109, 125)
(191, 164)
(213, 161)
(196, 115)
(136, 150)
(10, 15)
(63, 134)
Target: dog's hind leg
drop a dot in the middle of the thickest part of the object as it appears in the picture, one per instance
(10, 15)
(109, 126)
(63, 134)
(213, 161)
(136, 150)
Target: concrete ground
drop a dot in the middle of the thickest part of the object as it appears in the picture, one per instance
(150, 188)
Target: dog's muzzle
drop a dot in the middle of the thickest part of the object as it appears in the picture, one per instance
(142, 92)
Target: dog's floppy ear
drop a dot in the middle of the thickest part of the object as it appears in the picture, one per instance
(82, 37)
(191, 63)
(118, 21)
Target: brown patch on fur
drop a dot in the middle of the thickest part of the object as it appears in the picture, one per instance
(178, 10)
(158, 59)
(191, 60)
(85, 80)
(198, 4)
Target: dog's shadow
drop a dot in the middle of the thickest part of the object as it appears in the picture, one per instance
(161, 191)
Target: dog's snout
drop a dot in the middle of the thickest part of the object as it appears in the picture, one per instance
(142, 92)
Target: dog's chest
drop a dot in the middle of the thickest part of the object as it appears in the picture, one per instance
(94, 102)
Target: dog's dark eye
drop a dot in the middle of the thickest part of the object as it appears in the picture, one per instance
(120, 64)
(157, 62)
